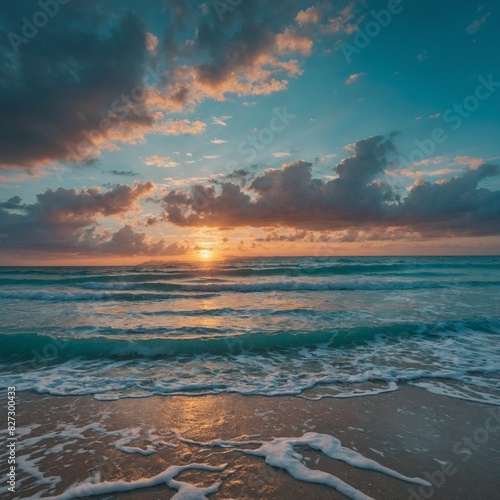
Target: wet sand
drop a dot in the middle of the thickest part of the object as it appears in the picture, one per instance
(452, 443)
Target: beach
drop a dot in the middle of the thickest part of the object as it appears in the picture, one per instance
(69, 441)
(250, 250)
(262, 378)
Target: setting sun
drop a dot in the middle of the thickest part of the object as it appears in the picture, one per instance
(206, 254)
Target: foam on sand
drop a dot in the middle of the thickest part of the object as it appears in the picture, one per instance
(280, 453)
(185, 491)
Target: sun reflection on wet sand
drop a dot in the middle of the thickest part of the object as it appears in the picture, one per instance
(205, 414)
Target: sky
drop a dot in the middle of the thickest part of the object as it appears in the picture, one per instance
(168, 130)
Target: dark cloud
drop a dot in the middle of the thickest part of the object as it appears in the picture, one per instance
(297, 236)
(13, 202)
(126, 242)
(123, 173)
(91, 78)
(459, 206)
(241, 176)
(291, 197)
(358, 198)
(63, 81)
(65, 221)
(302, 235)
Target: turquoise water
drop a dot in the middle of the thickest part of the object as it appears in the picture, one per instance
(314, 327)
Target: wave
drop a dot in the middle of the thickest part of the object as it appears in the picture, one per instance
(286, 286)
(162, 283)
(286, 267)
(32, 345)
(110, 296)
(158, 289)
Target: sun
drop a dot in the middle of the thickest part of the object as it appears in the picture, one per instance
(206, 254)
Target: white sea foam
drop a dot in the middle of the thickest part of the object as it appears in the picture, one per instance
(185, 491)
(132, 434)
(32, 451)
(460, 364)
(280, 452)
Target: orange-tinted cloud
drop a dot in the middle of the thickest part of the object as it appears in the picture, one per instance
(100, 80)
(358, 198)
(65, 222)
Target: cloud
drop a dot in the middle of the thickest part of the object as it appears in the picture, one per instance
(477, 24)
(418, 174)
(97, 78)
(241, 176)
(179, 127)
(66, 221)
(151, 42)
(85, 205)
(343, 21)
(469, 161)
(331, 18)
(450, 165)
(220, 120)
(253, 52)
(16, 176)
(13, 202)
(218, 141)
(354, 78)
(380, 234)
(309, 16)
(455, 207)
(322, 159)
(126, 242)
(161, 161)
(67, 70)
(290, 42)
(188, 181)
(124, 173)
(290, 196)
(423, 56)
(358, 198)
(303, 235)
(279, 154)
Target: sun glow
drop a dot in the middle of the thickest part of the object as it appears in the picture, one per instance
(205, 254)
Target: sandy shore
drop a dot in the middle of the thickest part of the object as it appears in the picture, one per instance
(451, 443)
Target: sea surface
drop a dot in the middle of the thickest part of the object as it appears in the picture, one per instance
(310, 327)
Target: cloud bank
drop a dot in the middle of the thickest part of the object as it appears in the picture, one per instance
(359, 197)
(66, 220)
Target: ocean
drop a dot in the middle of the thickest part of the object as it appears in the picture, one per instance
(332, 327)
